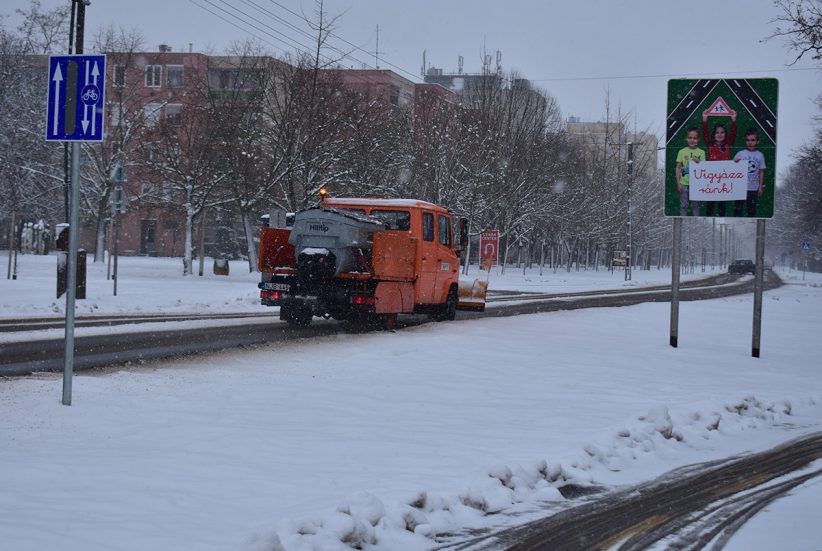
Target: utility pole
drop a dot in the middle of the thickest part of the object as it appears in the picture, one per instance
(630, 215)
(66, 168)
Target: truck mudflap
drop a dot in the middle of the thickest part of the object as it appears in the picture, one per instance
(472, 295)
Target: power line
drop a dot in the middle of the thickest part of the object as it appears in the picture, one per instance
(287, 40)
(628, 77)
(341, 39)
(217, 15)
(290, 44)
(301, 31)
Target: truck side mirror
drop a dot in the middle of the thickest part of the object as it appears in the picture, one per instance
(463, 232)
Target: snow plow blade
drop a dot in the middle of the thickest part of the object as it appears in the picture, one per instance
(472, 295)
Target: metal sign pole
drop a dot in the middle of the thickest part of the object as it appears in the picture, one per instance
(804, 264)
(758, 286)
(71, 291)
(118, 202)
(12, 235)
(675, 249)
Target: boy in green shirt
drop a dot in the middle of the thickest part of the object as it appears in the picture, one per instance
(686, 154)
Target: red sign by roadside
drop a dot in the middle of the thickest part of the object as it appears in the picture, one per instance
(489, 248)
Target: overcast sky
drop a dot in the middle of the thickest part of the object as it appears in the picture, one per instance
(578, 50)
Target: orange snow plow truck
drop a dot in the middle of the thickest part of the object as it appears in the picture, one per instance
(365, 260)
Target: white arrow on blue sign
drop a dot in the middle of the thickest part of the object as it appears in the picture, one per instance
(806, 245)
(77, 85)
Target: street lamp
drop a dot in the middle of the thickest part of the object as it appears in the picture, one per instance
(630, 213)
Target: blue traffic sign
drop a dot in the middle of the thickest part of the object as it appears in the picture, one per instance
(77, 85)
(806, 245)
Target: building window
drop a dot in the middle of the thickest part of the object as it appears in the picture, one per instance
(116, 111)
(153, 153)
(174, 114)
(154, 74)
(394, 95)
(151, 113)
(174, 76)
(119, 75)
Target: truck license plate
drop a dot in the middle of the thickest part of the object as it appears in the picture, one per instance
(276, 286)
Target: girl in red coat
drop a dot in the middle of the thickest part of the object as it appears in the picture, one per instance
(719, 148)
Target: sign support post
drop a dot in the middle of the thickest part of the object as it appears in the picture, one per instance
(467, 251)
(675, 249)
(71, 291)
(758, 286)
(12, 244)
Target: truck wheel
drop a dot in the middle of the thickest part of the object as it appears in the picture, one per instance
(298, 317)
(387, 321)
(447, 311)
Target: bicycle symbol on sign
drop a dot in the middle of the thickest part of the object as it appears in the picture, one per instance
(90, 95)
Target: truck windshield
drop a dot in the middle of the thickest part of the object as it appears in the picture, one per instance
(394, 219)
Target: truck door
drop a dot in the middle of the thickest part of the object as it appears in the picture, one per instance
(447, 262)
(426, 284)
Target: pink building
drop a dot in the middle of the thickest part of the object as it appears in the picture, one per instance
(150, 88)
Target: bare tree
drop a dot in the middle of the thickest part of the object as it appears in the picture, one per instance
(43, 32)
(238, 84)
(182, 155)
(31, 169)
(125, 111)
(800, 24)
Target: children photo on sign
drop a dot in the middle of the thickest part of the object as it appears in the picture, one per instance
(690, 152)
(755, 161)
(709, 116)
(719, 144)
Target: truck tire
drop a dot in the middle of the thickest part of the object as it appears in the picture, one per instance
(448, 311)
(296, 316)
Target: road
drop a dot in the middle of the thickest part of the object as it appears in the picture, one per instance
(23, 357)
(695, 507)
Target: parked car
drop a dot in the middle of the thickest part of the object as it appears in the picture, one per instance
(742, 267)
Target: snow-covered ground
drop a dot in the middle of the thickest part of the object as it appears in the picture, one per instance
(156, 285)
(319, 444)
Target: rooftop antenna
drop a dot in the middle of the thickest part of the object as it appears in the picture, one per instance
(422, 71)
(459, 65)
(377, 52)
(499, 61)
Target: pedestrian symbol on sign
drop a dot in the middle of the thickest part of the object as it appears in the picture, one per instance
(719, 108)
